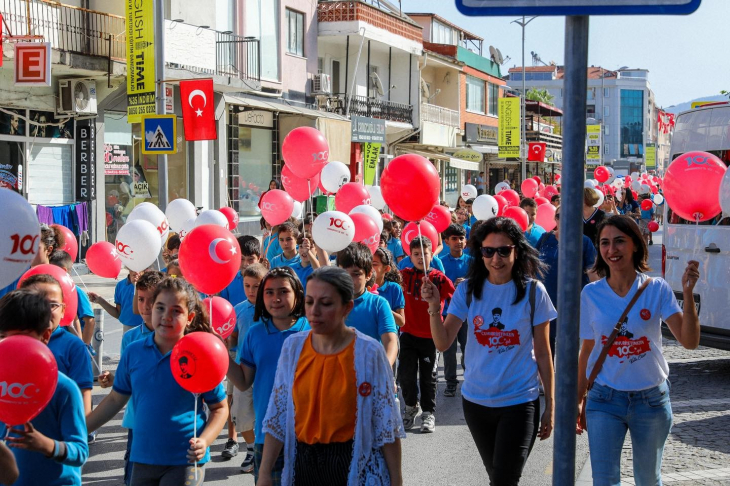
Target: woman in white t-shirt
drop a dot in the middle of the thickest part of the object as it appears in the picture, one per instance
(508, 350)
(631, 392)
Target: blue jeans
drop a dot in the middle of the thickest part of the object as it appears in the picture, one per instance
(646, 414)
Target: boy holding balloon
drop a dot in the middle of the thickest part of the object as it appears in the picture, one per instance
(288, 235)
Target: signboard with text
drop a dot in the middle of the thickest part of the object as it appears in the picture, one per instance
(577, 7)
(368, 130)
(509, 128)
(32, 63)
(140, 60)
(370, 154)
(476, 133)
(650, 156)
(117, 160)
(593, 144)
(86, 160)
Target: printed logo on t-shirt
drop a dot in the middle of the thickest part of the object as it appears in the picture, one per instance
(495, 336)
(645, 314)
(627, 347)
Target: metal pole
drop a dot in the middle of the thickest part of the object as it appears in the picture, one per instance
(570, 249)
(162, 183)
(354, 74)
(522, 106)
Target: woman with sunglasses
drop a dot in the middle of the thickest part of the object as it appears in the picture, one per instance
(508, 353)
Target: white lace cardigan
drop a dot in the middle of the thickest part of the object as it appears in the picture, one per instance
(378, 420)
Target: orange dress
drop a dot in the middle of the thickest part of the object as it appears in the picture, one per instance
(325, 395)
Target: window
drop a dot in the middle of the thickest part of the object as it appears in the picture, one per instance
(605, 129)
(295, 33)
(336, 76)
(605, 149)
(606, 92)
(632, 122)
(262, 22)
(474, 94)
(493, 106)
(606, 111)
(443, 34)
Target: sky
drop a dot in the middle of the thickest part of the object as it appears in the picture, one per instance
(686, 55)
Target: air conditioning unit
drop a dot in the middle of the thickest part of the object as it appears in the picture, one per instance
(321, 84)
(76, 97)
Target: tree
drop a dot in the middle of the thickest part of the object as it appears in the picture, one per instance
(541, 95)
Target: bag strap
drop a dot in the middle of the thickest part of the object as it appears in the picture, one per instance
(533, 293)
(609, 342)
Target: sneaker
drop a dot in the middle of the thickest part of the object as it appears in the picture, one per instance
(247, 464)
(91, 437)
(450, 390)
(409, 417)
(428, 423)
(231, 449)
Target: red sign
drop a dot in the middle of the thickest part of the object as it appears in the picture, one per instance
(536, 152)
(33, 63)
(198, 107)
(495, 337)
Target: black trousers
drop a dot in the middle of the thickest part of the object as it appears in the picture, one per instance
(450, 354)
(504, 437)
(322, 464)
(417, 355)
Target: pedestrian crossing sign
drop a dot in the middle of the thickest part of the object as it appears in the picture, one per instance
(160, 134)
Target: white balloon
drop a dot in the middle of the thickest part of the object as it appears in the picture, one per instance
(468, 192)
(372, 212)
(589, 183)
(601, 198)
(147, 211)
(333, 231)
(179, 211)
(636, 186)
(297, 211)
(659, 199)
(645, 189)
(634, 175)
(376, 197)
(186, 228)
(485, 207)
(138, 244)
(334, 175)
(212, 216)
(21, 232)
(502, 186)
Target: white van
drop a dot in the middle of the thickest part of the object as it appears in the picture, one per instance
(706, 129)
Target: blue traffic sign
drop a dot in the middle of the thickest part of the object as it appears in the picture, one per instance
(576, 7)
(159, 134)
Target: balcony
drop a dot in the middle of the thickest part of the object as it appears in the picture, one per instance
(437, 114)
(369, 12)
(67, 28)
(371, 107)
(238, 56)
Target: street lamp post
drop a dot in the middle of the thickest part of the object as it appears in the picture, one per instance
(523, 23)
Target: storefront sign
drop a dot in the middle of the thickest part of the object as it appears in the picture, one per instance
(368, 130)
(116, 160)
(371, 152)
(33, 63)
(85, 160)
(476, 133)
(593, 144)
(650, 156)
(468, 154)
(256, 118)
(169, 100)
(509, 128)
(140, 60)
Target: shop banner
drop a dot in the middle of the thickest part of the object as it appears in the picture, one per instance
(593, 144)
(371, 152)
(86, 160)
(117, 159)
(140, 60)
(509, 128)
(650, 156)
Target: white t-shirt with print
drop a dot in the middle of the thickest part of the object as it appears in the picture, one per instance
(635, 360)
(500, 360)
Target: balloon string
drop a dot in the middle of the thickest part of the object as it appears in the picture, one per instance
(80, 279)
(210, 312)
(311, 204)
(420, 240)
(195, 429)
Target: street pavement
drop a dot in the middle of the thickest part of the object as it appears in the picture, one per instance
(697, 452)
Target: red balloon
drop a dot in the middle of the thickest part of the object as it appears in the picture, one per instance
(529, 187)
(103, 260)
(209, 258)
(502, 203)
(276, 207)
(654, 190)
(366, 231)
(646, 205)
(601, 174)
(232, 217)
(221, 314)
(71, 246)
(439, 217)
(298, 188)
(537, 179)
(546, 216)
(653, 226)
(411, 231)
(351, 195)
(557, 177)
(635, 194)
(387, 217)
(305, 152)
(29, 375)
(692, 185)
(199, 361)
(519, 215)
(513, 199)
(541, 200)
(410, 185)
(68, 287)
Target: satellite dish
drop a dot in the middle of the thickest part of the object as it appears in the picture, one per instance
(493, 53)
(500, 59)
(425, 92)
(375, 79)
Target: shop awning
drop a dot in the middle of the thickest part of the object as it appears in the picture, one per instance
(464, 164)
(280, 107)
(486, 149)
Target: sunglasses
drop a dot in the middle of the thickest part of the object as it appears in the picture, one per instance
(503, 251)
(55, 305)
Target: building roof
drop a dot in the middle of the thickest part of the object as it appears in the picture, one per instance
(594, 72)
(533, 69)
(467, 35)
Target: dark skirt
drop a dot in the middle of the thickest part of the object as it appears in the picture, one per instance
(322, 464)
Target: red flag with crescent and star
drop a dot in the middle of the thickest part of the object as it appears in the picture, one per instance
(536, 152)
(198, 108)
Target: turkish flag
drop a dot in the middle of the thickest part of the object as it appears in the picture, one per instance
(536, 152)
(196, 98)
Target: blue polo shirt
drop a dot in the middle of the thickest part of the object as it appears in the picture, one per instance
(12, 286)
(533, 234)
(234, 292)
(467, 228)
(164, 411)
(135, 334)
(274, 248)
(372, 316)
(85, 309)
(435, 263)
(260, 352)
(244, 320)
(393, 294)
(280, 261)
(124, 296)
(62, 420)
(395, 247)
(72, 357)
(455, 267)
(302, 272)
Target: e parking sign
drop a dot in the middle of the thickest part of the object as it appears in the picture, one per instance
(577, 7)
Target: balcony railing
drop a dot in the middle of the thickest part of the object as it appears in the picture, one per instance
(371, 12)
(438, 114)
(371, 107)
(66, 27)
(238, 56)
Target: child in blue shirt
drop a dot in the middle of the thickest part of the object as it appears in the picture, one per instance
(288, 235)
(388, 280)
(270, 245)
(394, 228)
(123, 309)
(164, 450)
(250, 254)
(52, 448)
(307, 261)
(84, 314)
